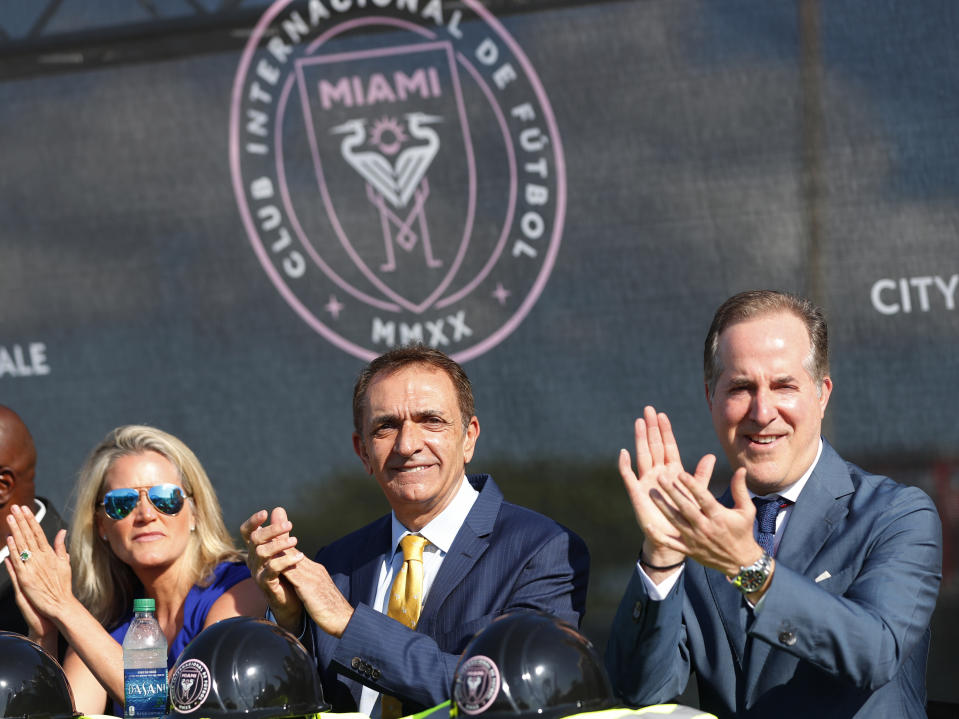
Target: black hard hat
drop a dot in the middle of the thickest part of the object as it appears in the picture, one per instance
(245, 667)
(32, 684)
(529, 664)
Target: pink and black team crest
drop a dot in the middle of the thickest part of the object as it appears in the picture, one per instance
(399, 171)
(476, 685)
(382, 123)
(189, 686)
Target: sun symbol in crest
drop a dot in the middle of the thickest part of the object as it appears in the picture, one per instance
(388, 135)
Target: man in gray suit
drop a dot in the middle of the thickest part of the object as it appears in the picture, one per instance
(806, 589)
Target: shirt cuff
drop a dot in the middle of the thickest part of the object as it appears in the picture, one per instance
(757, 607)
(658, 592)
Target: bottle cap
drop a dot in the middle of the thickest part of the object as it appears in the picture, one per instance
(144, 605)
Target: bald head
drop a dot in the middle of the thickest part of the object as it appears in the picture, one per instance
(18, 460)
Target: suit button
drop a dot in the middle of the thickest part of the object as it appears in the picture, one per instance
(787, 638)
(637, 611)
(355, 663)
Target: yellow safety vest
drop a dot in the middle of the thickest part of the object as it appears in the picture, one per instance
(676, 711)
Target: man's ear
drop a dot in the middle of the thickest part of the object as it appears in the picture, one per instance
(8, 485)
(825, 390)
(469, 442)
(360, 450)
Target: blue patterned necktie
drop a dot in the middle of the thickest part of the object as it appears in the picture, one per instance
(766, 511)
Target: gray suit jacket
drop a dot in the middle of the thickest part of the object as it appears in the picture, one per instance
(842, 631)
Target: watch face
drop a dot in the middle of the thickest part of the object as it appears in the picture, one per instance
(749, 580)
(752, 578)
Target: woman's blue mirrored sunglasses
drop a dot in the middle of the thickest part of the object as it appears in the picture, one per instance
(167, 498)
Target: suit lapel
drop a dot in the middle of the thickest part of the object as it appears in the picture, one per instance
(470, 544)
(466, 549)
(821, 506)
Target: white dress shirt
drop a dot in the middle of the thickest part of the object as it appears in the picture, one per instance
(440, 533)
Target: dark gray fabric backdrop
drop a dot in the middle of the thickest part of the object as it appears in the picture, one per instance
(678, 151)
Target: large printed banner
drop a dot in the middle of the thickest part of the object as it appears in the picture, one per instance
(373, 210)
(212, 213)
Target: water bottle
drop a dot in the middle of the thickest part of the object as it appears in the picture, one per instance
(144, 664)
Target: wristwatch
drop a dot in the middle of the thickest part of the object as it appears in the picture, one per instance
(753, 577)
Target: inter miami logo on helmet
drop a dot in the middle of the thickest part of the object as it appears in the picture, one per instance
(398, 170)
(476, 684)
(530, 665)
(189, 685)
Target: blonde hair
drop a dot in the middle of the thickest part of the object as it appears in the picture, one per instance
(104, 584)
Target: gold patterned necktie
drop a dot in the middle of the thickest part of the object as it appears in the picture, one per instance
(406, 601)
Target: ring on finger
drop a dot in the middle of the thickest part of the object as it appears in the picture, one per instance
(25, 555)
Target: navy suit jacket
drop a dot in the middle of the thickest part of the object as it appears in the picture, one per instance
(842, 631)
(503, 558)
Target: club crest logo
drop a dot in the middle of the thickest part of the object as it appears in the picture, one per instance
(399, 172)
(477, 684)
(189, 686)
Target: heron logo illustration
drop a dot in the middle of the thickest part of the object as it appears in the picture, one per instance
(398, 170)
(395, 182)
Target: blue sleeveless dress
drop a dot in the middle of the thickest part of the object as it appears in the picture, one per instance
(195, 608)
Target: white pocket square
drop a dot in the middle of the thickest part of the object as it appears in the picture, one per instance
(823, 577)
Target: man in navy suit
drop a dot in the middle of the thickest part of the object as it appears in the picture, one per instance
(415, 430)
(807, 589)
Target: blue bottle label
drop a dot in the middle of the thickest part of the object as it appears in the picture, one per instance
(145, 692)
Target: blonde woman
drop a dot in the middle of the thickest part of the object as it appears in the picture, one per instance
(147, 524)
